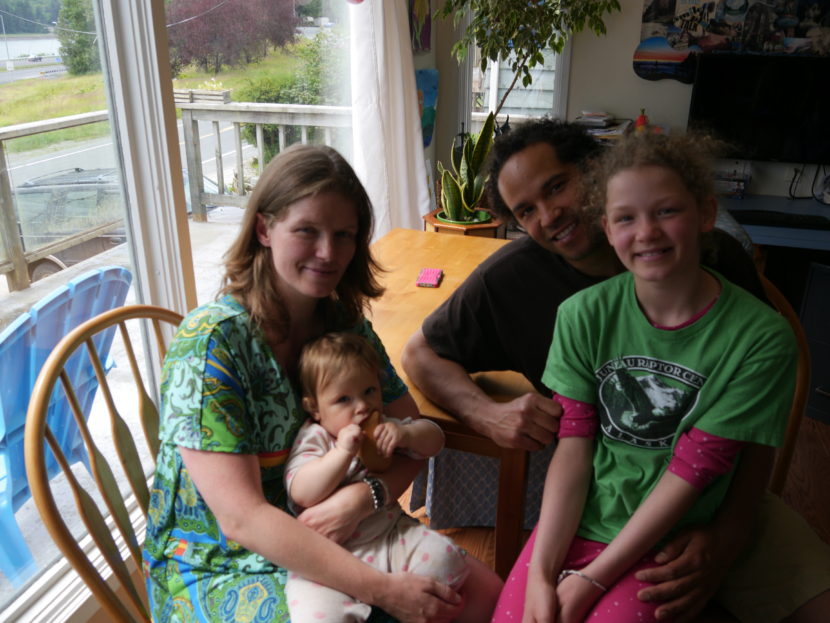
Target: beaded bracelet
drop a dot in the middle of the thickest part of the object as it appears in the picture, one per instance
(566, 572)
(378, 491)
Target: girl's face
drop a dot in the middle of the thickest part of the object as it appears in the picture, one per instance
(312, 245)
(654, 223)
(349, 398)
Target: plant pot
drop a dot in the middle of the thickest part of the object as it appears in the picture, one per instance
(492, 228)
(479, 218)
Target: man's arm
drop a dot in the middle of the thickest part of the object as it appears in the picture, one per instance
(528, 422)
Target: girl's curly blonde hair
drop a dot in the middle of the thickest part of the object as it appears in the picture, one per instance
(690, 156)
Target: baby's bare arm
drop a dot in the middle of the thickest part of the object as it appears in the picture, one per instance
(317, 479)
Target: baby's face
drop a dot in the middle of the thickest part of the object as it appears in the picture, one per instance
(349, 398)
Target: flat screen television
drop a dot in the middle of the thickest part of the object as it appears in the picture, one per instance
(772, 108)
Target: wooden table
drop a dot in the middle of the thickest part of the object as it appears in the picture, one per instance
(399, 313)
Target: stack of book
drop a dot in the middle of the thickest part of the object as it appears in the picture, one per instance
(594, 119)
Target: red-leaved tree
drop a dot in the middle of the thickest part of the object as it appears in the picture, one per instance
(213, 34)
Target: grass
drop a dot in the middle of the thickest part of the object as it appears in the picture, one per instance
(277, 65)
(24, 101)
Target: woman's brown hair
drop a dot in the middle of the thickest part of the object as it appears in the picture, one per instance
(298, 172)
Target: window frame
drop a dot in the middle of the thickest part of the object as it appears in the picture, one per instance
(143, 119)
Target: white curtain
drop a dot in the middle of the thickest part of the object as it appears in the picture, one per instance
(386, 124)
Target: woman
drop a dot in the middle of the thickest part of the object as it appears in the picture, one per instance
(219, 542)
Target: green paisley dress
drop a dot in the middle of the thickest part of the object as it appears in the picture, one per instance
(222, 391)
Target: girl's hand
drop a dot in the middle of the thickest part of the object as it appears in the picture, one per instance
(389, 436)
(337, 516)
(348, 439)
(576, 595)
(414, 598)
(540, 601)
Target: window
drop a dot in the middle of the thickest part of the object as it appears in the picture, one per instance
(547, 95)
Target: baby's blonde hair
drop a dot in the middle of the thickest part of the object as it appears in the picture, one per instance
(331, 354)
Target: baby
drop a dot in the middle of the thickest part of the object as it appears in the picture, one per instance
(340, 377)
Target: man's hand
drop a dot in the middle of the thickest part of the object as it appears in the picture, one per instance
(529, 422)
(692, 568)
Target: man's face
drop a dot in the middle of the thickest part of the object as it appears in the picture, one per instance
(542, 194)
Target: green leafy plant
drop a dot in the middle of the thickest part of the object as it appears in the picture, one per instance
(517, 31)
(463, 186)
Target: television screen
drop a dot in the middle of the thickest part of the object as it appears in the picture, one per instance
(772, 108)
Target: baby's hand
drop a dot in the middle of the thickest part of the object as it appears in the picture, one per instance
(348, 439)
(388, 436)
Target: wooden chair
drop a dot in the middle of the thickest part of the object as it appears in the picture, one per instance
(802, 387)
(131, 605)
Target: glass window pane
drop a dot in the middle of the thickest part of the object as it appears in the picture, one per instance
(295, 90)
(64, 214)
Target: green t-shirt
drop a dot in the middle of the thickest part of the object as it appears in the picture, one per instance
(731, 373)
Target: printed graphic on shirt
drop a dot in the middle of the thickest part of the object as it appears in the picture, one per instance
(643, 400)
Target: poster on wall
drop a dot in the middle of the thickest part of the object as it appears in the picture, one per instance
(426, 82)
(674, 30)
(420, 24)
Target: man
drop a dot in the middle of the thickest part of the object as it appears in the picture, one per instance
(502, 317)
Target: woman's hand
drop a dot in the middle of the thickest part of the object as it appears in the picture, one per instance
(414, 598)
(540, 601)
(337, 516)
(576, 595)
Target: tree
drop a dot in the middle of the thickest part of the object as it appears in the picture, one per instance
(78, 49)
(28, 16)
(236, 32)
(318, 80)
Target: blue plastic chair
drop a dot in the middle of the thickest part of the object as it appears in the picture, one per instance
(24, 346)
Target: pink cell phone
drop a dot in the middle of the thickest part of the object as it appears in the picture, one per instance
(430, 277)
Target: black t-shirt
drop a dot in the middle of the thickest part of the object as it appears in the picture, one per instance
(502, 316)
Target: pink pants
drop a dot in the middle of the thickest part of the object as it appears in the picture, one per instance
(618, 605)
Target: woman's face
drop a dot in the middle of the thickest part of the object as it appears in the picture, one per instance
(312, 245)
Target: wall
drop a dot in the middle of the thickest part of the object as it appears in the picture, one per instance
(602, 78)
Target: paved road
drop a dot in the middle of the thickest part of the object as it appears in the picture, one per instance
(27, 72)
(99, 153)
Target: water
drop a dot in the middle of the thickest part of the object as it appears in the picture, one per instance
(20, 46)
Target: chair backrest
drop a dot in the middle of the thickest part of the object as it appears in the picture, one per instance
(81, 342)
(24, 346)
(802, 387)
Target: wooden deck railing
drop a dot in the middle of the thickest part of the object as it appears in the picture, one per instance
(325, 120)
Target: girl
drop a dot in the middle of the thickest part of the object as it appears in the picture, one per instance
(674, 367)
(219, 540)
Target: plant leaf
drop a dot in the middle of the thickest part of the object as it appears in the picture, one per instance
(483, 144)
(451, 197)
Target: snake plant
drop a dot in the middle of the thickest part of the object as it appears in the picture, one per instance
(463, 186)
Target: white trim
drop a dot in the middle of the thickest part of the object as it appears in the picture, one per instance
(144, 122)
(465, 81)
(493, 92)
(561, 82)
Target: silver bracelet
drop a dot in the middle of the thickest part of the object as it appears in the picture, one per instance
(378, 490)
(566, 572)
